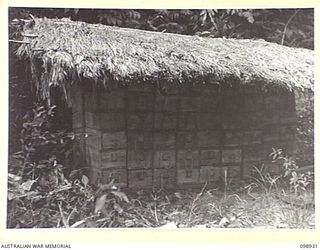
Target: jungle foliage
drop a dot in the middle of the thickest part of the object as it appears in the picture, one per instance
(44, 190)
(292, 27)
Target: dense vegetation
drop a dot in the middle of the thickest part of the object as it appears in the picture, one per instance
(292, 27)
(45, 189)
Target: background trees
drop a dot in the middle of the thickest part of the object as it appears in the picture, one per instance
(292, 27)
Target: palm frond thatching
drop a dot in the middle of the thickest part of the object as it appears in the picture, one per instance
(65, 50)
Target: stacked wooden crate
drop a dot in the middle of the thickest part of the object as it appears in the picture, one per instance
(185, 136)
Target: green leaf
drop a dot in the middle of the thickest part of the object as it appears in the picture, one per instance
(178, 195)
(121, 195)
(117, 207)
(248, 15)
(85, 180)
(14, 177)
(100, 202)
(26, 186)
(11, 196)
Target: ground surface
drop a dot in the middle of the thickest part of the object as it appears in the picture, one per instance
(214, 209)
(77, 204)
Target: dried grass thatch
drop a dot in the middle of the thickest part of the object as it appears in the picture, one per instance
(63, 51)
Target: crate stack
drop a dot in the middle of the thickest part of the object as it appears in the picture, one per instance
(165, 128)
(112, 120)
(143, 137)
(140, 102)
(254, 132)
(209, 134)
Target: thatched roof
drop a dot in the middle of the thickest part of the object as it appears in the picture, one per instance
(63, 50)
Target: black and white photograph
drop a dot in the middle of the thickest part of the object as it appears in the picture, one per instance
(161, 118)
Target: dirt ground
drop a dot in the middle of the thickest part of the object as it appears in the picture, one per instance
(213, 208)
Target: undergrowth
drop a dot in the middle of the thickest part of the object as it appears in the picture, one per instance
(43, 194)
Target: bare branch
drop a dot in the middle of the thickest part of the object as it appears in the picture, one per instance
(287, 24)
